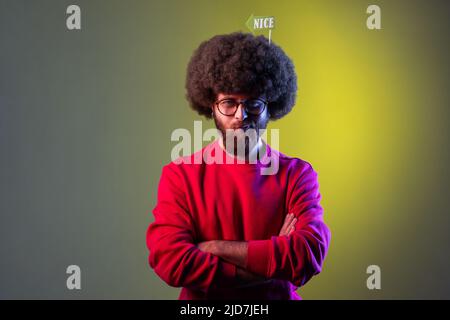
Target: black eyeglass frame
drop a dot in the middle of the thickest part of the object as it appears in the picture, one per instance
(243, 102)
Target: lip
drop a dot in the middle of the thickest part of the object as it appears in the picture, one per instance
(242, 128)
(245, 128)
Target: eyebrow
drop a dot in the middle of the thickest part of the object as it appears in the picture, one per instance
(232, 97)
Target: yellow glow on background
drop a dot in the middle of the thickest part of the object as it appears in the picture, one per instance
(86, 119)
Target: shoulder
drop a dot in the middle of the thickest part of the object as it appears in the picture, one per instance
(301, 177)
(295, 166)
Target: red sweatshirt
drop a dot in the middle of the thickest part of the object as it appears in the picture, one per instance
(200, 202)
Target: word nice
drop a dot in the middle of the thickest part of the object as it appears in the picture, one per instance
(234, 138)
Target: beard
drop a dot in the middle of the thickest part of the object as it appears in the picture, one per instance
(239, 141)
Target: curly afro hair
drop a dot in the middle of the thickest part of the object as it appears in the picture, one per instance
(241, 63)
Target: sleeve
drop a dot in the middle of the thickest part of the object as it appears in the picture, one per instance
(170, 239)
(300, 256)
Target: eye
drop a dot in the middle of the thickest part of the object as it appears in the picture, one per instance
(255, 104)
(228, 103)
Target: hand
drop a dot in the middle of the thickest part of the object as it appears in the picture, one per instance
(288, 225)
(248, 279)
(207, 246)
(234, 252)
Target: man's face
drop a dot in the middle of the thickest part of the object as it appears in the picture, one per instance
(239, 122)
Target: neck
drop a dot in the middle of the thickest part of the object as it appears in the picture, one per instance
(252, 153)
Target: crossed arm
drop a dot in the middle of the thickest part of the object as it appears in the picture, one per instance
(296, 254)
(235, 252)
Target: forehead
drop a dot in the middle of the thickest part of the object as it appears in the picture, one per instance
(237, 96)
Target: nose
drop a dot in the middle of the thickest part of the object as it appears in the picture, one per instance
(240, 112)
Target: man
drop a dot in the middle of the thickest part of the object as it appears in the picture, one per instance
(222, 229)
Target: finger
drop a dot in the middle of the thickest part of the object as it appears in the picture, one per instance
(287, 222)
(289, 218)
(291, 230)
(283, 231)
(293, 222)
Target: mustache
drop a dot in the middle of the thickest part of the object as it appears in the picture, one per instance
(245, 126)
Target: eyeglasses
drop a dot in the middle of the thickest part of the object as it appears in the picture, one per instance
(228, 107)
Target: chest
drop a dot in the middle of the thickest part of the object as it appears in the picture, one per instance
(237, 206)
